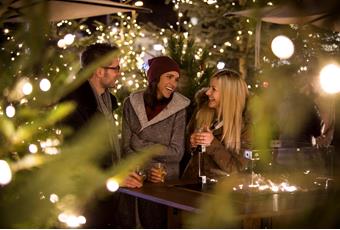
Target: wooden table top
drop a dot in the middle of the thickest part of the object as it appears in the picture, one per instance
(246, 204)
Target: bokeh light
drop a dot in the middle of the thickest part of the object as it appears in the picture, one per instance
(5, 173)
(330, 78)
(112, 185)
(45, 84)
(10, 111)
(282, 47)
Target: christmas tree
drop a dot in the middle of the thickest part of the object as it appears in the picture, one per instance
(46, 182)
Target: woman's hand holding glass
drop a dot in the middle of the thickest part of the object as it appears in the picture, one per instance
(201, 138)
(157, 173)
(133, 181)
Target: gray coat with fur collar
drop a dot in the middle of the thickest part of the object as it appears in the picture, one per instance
(167, 129)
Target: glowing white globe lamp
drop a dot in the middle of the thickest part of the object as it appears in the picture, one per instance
(5, 173)
(112, 185)
(282, 47)
(330, 78)
(10, 111)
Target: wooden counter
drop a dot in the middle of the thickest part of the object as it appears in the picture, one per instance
(248, 206)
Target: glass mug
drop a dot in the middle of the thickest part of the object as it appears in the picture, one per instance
(141, 172)
(161, 168)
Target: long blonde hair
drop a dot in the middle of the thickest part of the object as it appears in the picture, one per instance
(234, 92)
(204, 115)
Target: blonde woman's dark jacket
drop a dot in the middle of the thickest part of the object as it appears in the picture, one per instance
(219, 161)
(167, 129)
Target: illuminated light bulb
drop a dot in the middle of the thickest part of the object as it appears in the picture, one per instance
(291, 188)
(130, 82)
(33, 148)
(10, 111)
(139, 3)
(51, 150)
(5, 173)
(112, 185)
(54, 198)
(72, 221)
(158, 47)
(61, 43)
(81, 219)
(69, 39)
(45, 84)
(210, 2)
(265, 84)
(62, 217)
(220, 65)
(330, 78)
(282, 47)
(227, 43)
(27, 88)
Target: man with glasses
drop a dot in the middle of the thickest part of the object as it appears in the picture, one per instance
(93, 97)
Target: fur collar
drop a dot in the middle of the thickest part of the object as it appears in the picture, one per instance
(177, 103)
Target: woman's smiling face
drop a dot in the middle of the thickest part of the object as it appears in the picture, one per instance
(167, 84)
(214, 94)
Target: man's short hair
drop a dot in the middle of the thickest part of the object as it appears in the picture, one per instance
(95, 51)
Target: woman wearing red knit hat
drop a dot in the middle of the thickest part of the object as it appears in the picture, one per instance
(156, 115)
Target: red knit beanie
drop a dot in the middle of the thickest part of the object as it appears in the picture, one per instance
(160, 65)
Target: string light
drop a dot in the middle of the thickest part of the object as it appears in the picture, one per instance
(54, 198)
(61, 43)
(69, 39)
(45, 84)
(27, 88)
(70, 220)
(220, 65)
(158, 47)
(10, 111)
(33, 148)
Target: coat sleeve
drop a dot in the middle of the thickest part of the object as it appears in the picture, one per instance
(228, 160)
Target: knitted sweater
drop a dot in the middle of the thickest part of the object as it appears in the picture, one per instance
(167, 129)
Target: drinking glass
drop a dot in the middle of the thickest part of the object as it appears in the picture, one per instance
(141, 172)
(161, 169)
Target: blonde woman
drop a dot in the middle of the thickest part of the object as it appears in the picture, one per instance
(227, 133)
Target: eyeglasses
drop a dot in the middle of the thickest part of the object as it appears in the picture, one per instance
(117, 68)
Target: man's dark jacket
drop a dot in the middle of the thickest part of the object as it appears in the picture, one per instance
(87, 107)
(101, 212)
